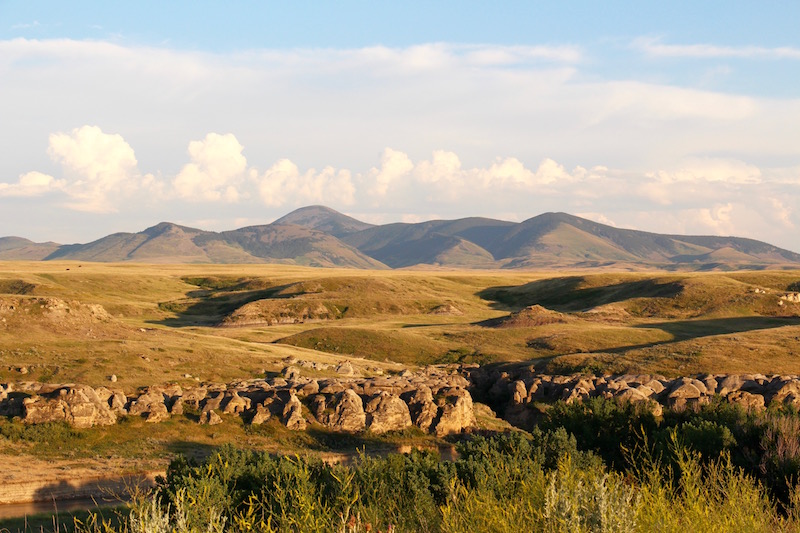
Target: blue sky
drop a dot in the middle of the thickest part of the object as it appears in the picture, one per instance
(676, 117)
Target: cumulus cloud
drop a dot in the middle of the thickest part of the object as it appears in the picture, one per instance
(395, 166)
(711, 169)
(283, 184)
(99, 169)
(32, 184)
(216, 169)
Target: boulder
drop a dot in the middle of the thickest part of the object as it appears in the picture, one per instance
(387, 412)
(236, 404)
(290, 373)
(150, 405)
(749, 401)
(261, 415)
(307, 389)
(455, 413)
(213, 401)
(117, 402)
(194, 397)
(729, 384)
(345, 368)
(348, 413)
(177, 406)
(519, 393)
(631, 395)
(422, 408)
(786, 392)
(293, 414)
(210, 417)
(318, 405)
(79, 406)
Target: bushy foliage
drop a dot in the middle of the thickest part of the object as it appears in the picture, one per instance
(510, 482)
(765, 445)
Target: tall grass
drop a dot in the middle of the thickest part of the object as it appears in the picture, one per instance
(508, 483)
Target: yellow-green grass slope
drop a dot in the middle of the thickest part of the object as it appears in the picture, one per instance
(158, 323)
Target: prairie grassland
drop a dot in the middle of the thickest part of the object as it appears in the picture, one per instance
(160, 323)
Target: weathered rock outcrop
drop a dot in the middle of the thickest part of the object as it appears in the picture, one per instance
(78, 405)
(387, 412)
(511, 391)
(437, 399)
(434, 399)
(293, 414)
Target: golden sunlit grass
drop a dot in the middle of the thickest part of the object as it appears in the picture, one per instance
(163, 321)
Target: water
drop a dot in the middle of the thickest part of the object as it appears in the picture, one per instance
(19, 510)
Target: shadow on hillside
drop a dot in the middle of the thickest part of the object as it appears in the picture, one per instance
(207, 307)
(81, 495)
(192, 450)
(565, 294)
(684, 330)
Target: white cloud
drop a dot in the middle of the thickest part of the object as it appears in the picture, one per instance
(598, 217)
(717, 218)
(444, 168)
(216, 169)
(100, 171)
(284, 184)
(395, 165)
(99, 168)
(711, 169)
(654, 47)
(32, 184)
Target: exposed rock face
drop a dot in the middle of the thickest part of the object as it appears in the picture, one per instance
(435, 400)
(348, 413)
(422, 408)
(236, 404)
(387, 412)
(455, 412)
(511, 391)
(210, 418)
(293, 414)
(152, 405)
(79, 406)
(261, 415)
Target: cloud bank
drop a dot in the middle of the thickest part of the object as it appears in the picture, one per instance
(94, 128)
(700, 195)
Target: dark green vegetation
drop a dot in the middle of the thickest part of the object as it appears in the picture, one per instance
(319, 236)
(599, 466)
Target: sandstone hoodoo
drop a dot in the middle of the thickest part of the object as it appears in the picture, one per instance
(512, 392)
(438, 400)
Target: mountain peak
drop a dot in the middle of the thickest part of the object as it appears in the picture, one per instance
(324, 219)
(166, 227)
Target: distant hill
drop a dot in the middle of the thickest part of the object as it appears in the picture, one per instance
(324, 219)
(19, 249)
(171, 243)
(320, 236)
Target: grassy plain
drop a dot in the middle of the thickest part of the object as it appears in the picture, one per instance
(160, 323)
(64, 322)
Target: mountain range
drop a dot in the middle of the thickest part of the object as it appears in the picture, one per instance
(320, 236)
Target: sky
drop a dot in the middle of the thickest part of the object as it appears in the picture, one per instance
(672, 117)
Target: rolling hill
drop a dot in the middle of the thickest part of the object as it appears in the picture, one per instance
(19, 249)
(320, 236)
(171, 243)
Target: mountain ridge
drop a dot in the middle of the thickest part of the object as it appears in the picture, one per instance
(320, 236)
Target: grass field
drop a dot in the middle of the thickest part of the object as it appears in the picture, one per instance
(71, 322)
(153, 324)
